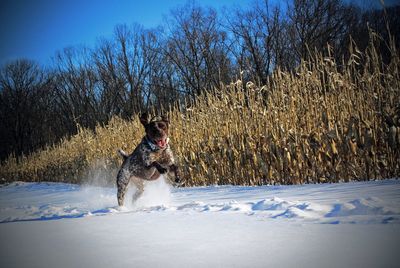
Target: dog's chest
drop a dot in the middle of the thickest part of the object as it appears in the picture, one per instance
(159, 156)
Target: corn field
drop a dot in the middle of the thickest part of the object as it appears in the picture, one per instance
(324, 122)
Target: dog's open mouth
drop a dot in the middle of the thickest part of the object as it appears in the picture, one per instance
(161, 142)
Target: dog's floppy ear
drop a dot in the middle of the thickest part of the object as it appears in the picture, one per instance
(165, 119)
(144, 119)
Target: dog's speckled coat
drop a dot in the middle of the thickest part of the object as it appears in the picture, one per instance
(148, 160)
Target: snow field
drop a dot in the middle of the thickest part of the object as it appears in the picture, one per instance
(373, 202)
(328, 225)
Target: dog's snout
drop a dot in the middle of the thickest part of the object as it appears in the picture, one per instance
(157, 131)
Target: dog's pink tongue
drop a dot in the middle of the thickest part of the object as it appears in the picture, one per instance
(161, 143)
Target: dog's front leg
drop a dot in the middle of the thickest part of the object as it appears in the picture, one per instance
(150, 163)
(159, 168)
(176, 175)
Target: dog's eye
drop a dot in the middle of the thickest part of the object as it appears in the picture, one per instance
(161, 125)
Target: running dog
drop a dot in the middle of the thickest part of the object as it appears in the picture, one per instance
(151, 158)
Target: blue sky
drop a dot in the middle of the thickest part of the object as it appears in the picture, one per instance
(36, 29)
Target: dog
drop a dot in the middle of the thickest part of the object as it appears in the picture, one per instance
(151, 158)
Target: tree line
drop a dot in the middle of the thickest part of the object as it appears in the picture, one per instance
(196, 49)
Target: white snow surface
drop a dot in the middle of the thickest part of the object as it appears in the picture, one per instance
(327, 225)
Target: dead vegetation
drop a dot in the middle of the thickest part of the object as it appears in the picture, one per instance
(325, 122)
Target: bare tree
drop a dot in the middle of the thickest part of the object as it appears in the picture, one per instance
(258, 40)
(24, 107)
(196, 49)
(314, 24)
(76, 85)
(161, 83)
(131, 64)
(113, 96)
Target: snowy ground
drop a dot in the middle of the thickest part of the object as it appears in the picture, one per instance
(329, 225)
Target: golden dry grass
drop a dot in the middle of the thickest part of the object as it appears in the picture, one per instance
(318, 124)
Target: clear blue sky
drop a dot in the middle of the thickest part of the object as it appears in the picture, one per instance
(36, 29)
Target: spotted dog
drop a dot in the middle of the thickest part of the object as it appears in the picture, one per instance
(151, 158)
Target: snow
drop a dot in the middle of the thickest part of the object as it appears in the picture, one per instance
(327, 225)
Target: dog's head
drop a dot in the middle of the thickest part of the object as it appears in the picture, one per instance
(156, 129)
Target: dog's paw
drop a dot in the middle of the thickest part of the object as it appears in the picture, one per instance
(179, 182)
(162, 170)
